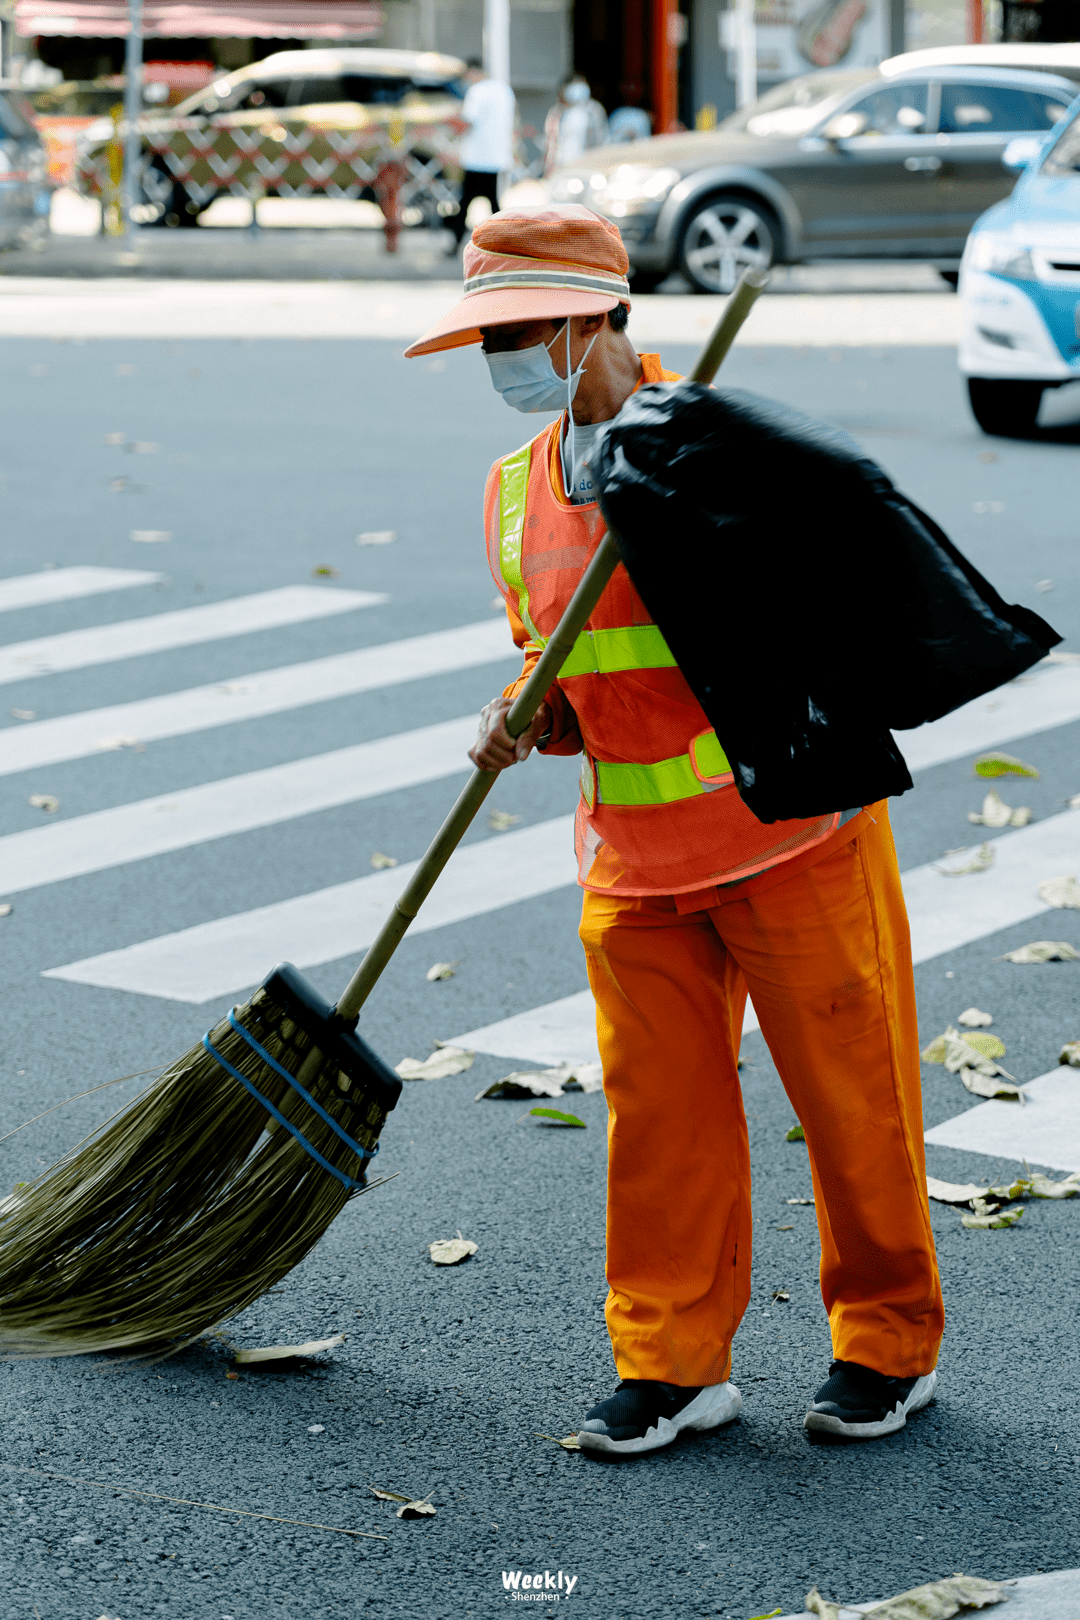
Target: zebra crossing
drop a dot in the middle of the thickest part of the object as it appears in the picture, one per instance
(225, 955)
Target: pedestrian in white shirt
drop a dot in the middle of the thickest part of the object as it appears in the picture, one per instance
(487, 148)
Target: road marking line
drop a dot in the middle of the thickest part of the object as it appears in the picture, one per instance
(234, 804)
(944, 913)
(62, 584)
(221, 957)
(249, 697)
(158, 632)
(216, 957)
(1046, 697)
(1045, 1131)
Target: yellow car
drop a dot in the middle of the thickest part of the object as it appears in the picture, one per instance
(350, 122)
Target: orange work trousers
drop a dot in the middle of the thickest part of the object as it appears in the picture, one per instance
(823, 947)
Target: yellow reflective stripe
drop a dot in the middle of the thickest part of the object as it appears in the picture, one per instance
(513, 494)
(606, 652)
(708, 755)
(663, 783)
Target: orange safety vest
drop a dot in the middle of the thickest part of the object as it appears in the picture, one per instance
(659, 812)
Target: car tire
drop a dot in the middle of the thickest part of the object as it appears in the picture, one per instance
(1005, 408)
(723, 236)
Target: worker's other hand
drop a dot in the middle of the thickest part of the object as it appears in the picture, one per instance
(495, 749)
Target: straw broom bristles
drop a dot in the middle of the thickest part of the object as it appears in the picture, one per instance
(186, 1208)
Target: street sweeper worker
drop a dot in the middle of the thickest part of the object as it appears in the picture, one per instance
(689, 902)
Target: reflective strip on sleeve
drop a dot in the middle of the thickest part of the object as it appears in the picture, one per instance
(513, 496)
(606, 652)
(663, 783)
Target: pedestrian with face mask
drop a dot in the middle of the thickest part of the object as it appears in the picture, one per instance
(689, 901)
(574, 125)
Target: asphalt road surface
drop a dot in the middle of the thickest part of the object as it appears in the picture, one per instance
(262, 462)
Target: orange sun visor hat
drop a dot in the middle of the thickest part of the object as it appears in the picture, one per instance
(534, 264)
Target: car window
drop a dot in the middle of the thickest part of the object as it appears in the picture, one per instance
(1064, 156)
(248, 97)
(12, 123)
(991, 109)
(792, 108)
(310, 92)
(896, 109)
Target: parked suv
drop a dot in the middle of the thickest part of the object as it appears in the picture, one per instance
(836, 164)
(237, 127)
(24, 190)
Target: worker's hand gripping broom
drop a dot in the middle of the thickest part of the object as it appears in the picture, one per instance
(216, 1182)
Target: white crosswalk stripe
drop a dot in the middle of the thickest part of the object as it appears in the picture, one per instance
(237, 804)
(186, 627)
(64, 584)
(250, 697)
(216, 958)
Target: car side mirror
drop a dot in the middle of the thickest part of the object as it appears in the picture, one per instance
(843, 126)
(1022, 151)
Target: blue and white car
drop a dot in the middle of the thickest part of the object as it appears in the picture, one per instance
(1020, 284)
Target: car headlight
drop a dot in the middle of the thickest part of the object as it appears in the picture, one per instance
(631, 188)
(1001, 256)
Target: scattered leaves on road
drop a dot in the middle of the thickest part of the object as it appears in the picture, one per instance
(991, 1218)
(796, 1134)
(447, 1061)
(949, 1049)
(996, 764)
(416, 1510)
(377, 537)
(972, 1018)
(440, 970)
(381, 862)
(545, 1082)
(502, 820)
(1070, 1052)
(981, 861)
(569, 1444)
(1062, 892)
(953, 1192)
(451, 1251)
(996, 813)
(1042, 950)
(781, 1295)
(45, 801)
(31, 714)
(288, 1352)
(939, 1600)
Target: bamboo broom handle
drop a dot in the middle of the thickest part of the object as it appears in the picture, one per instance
(582, 604)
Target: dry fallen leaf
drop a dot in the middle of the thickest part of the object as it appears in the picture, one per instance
(1042, 950)
(151, 537)
(1070, 1052)
(451, 1251)
(569, 1444)
(377, 537)
(1062, 892)
(816, 1604)
(545, 1082)
(416, 1510)
(1073, 803)
(954, 1049)
(288, 1352)
(388, 1496)
(440, 970)
(981, 861)
(113, 744)
(939, 1600)
(31, 714)
(381, 862)
(798, 1201)
(991, 1219)
(1002, 765)
(984, 1085)
(781, 1294)
(448, 1060)
(6, 910)
(951, 1192)
(796, 1134)
(501, 820)
(1040, 1186)
(972, 1018)
(44, 801)
(994, 813)
(316, 1428)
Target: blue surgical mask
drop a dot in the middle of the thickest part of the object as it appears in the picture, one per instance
(528, 381)
(576, 92)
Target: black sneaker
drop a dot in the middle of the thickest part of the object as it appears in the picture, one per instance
(643, 1415)
(861, 1404)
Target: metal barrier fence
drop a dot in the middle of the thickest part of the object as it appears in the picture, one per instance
(409, 165)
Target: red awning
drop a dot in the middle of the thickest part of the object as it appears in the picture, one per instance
(215, 19)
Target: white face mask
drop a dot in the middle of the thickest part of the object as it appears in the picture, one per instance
(575, 93)
(528, 381)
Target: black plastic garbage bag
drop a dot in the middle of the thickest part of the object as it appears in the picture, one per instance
(811, 607)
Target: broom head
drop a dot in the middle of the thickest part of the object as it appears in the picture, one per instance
(198, 1197)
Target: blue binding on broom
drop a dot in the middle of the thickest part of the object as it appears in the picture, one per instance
(260, 1051)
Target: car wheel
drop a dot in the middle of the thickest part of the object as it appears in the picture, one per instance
(724, 237)
(1006, 408)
